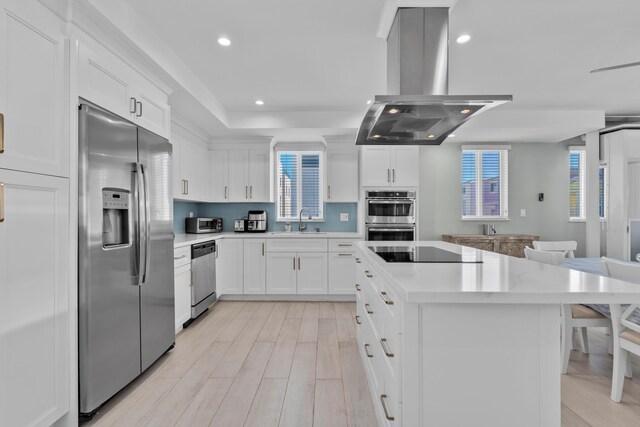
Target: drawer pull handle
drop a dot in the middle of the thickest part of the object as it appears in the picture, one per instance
(368, 274)
(344, 254)
(179, 257)
(358, 320)
(366, 350)
(383, 398)
(358, 260)
(383, 343)
(368, 308)
(385, 298)
(345, 245)
(358, 288)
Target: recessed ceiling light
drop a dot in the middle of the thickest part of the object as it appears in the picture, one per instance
(376, 136)
(259, 102)
(465, 111)
(431, 136)
(394, 111)
(369, 102)
(452, 135)
(223, 41)
(463, 38)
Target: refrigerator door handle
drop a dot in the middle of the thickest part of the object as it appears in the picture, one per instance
(141, 246)
(147, 224)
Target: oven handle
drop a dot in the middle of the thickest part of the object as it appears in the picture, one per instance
(391, 229)
(392, 202)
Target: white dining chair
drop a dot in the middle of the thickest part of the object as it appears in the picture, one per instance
(626, 333)
(573, 315)
(566, 247)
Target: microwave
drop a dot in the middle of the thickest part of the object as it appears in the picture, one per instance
(203, 225)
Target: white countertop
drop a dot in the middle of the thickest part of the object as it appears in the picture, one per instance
(192, 239)
(498, 279)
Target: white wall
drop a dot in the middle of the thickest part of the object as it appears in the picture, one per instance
(533, 168)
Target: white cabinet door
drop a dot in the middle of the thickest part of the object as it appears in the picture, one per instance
(152, 107)
(342, 175)
(342, 273)
(254, 266)
(230, 267)
(34, 299)
(238, 176)
(375, 166)
(219, 176)
(281, 273)
(182, 286)
(194, 167)
(405, 166)
(259, 176)
(33, 100)
(312, 273)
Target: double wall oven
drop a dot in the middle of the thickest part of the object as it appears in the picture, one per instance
(390, 215)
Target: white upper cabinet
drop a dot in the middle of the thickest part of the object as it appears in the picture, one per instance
(342, 175)
(110, 83)
(191, 179)
(35, 367)
(33, 89)
(240, 176)
(387, 166)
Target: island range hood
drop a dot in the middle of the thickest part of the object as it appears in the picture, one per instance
(418, 109)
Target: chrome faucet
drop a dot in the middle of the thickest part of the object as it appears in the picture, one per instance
(301, 225)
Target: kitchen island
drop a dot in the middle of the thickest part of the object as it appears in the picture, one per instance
(476, 343)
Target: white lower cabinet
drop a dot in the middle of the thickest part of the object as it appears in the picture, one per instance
(182, 286)
(35, 341)
(281, 273)
(254, 266)
(312, 273)
(342, 272)
(230, 267)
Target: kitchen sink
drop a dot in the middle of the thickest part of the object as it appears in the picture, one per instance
(297, 233)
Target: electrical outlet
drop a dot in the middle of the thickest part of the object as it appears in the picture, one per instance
(190, 214)
(344, 217)
(523, 213)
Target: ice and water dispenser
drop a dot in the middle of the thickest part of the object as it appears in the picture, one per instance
(115, 217)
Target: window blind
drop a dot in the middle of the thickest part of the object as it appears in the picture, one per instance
(485, 183)
(299, 184)
(576, 185)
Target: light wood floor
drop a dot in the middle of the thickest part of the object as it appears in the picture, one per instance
(254, 364)
(296, 364)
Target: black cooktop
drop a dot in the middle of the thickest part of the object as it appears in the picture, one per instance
(422, 254)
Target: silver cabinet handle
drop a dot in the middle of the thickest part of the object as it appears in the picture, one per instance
(358, 320)
(383, 343)
(179, 257)
(226, 192)
(187, 181)
(358, 288)
(328, 191)
(133, 105)
(393, 175)
(246, 191)
(251, 191)
(383, 398)
(263, 249)
(1, 133)
(298, 263)
(1, 202)
(366, 350)
(367, 307)
(345, 254)
(368, 274)
(294, 263)
(140, 113)
(358, 260)
(385, 298)
(388, 175)
(345, 245)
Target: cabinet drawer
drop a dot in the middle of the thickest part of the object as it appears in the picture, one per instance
(342, 245)
(297, 245)
(181, 256)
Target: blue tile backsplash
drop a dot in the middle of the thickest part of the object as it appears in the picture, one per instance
(231, 211)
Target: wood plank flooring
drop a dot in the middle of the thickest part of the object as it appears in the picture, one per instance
(297, 364)
(253, 364)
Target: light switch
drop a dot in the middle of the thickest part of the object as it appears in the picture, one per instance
(344, 217)
(190, 214)
(523, 213)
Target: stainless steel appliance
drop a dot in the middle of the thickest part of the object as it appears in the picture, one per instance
(240, 225)
(418, 109)
(125, 250)
(390, 232)
(203, 278)
(424, 254)
(203, 225)
(257, 222)
(390, 207)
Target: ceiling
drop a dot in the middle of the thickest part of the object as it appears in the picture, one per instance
(315, 64)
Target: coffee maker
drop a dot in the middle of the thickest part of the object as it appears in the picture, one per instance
(257, 222)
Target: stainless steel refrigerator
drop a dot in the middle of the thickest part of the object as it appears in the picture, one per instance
(125, 253)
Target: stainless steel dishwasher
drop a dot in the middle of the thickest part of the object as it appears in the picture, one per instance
(203, 278)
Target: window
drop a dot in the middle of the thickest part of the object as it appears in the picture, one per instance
(485, 183)
(602, 197)
(577, 185)
(300, 184)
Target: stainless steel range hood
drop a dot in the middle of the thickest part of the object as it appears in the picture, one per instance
(418, 109)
